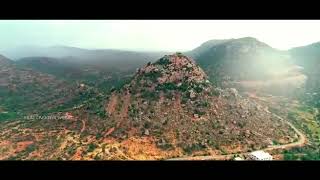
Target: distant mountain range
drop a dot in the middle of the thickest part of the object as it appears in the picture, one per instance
(241, 63)
(102, 58)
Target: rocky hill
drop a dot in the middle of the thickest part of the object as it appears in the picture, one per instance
(172, 101)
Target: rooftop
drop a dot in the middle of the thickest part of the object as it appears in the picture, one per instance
(238, 159)
(261, 154)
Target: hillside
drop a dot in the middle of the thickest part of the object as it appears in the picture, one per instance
(206, 46)
(24, 91)
(57, 67)
(238, 59)
(103, 58)
(249, 64)
(168, 109)
(4, 61)
(103, 69)
(69, 69)
(308, 57)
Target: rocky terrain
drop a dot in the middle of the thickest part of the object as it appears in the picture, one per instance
(95, 104)
(168, 109)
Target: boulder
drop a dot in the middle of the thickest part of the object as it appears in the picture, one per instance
(146, 132)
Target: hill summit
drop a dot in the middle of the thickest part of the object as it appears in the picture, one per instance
(176, 73)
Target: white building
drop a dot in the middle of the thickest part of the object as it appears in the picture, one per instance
(260, 155)
(238, 159)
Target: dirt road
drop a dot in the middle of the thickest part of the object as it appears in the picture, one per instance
(302, 140)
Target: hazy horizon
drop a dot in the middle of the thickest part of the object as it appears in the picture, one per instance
(153, 35)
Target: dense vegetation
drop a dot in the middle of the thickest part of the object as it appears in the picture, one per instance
(305, 118)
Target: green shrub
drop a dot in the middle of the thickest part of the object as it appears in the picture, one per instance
(91, 147)
(147, 125)
(179, 54)
(169, 95)
(167, 86)
(275, 142)
(163, 61)
(223, 151)
(71, 150)
(133, 111)
(184, 99)
(98, 136)
(197, 111)
(152, 95)
(165, 146)
(184, 87)
(198, 89)
(203, 104)
(153, 75)
(31, 148)
(289, 156)
(193, 147)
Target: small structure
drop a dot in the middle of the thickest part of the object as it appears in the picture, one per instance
(260, 156)
(238, 159)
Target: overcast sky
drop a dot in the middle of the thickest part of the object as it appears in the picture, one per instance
(166, 35)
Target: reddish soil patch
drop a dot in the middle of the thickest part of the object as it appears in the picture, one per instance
(23, 145)
(109, 131)
(5, 143)
(145, 149)
(125, 109)
(78, 154)
(112, 104)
